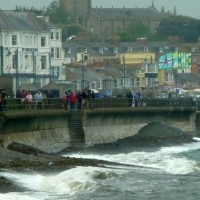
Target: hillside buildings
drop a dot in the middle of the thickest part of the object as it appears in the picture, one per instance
(32, 52)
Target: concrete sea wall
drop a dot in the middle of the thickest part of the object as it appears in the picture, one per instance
(47, 131)
(109, 126)
(51, 131)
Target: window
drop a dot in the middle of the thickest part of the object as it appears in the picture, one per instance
(52, 35)
(115, 83)
(57, 53)
(122, 81)
(129, 48)
(14, 39)
(52, 52)
(99, 85)
(43, 41)
(58, 71)
(57, 35)
(133, 82)
(138, 82)
(14, 61)
(93, 85)
(44, 62)
(169, 77)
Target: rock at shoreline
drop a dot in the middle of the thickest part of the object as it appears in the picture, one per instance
(8, 186)
(26, 149)
(20, 157)
(159, 131)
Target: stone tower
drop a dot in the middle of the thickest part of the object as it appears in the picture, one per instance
(79, 9)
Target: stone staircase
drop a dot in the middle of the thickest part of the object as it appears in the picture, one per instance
(76, 129)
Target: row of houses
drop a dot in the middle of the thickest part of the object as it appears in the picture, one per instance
(32, 52)
(137, 67)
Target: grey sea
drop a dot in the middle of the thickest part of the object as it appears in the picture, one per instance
(150, 172)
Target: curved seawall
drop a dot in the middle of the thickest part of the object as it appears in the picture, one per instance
(44, 130)
(110, 125)
(54, 130)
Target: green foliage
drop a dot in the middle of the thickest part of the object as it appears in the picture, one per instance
(58, 14)
(138, 30)
(188, 29)
(32, 9)
(75, 29)
(125, 36)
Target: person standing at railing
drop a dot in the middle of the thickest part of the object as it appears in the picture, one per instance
(50, 96)
(23, 98)
(79, 100)
(136, 99)
(38, 100)
(130, 99)
(18, 96)
(29, 100)
(84, 99)
(91, 98)
(72, 100)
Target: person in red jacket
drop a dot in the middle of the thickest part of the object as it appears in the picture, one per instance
(72, 100)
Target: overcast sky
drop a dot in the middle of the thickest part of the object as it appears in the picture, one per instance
(183, 7)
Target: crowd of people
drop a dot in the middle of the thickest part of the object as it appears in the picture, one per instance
(26, 98)
(82, 99)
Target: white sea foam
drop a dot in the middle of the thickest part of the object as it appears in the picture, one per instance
(69, 182)
(165, 159)
(22, 196)
(80, 180)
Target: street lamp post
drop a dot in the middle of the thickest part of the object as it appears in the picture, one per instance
(34, 66)
(82, 59)
(46, 63)
(2, 61)
(124, 66)
(15, 64)
(176, 80)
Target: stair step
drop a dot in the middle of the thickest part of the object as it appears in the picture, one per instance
(76, 129)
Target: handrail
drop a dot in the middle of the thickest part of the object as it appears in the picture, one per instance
(13, 104)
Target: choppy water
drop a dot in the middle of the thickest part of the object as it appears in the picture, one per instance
(156, 173)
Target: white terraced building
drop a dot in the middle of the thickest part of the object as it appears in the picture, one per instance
(30, 49)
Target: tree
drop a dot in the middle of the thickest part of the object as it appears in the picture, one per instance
(58, 14)
(76, 29)
(188, 29)
(137, 30)
(32, 9)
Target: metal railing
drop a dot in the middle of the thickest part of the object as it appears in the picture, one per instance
(106, 103)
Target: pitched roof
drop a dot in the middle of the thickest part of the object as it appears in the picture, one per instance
(105, 13)
(21, 21)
